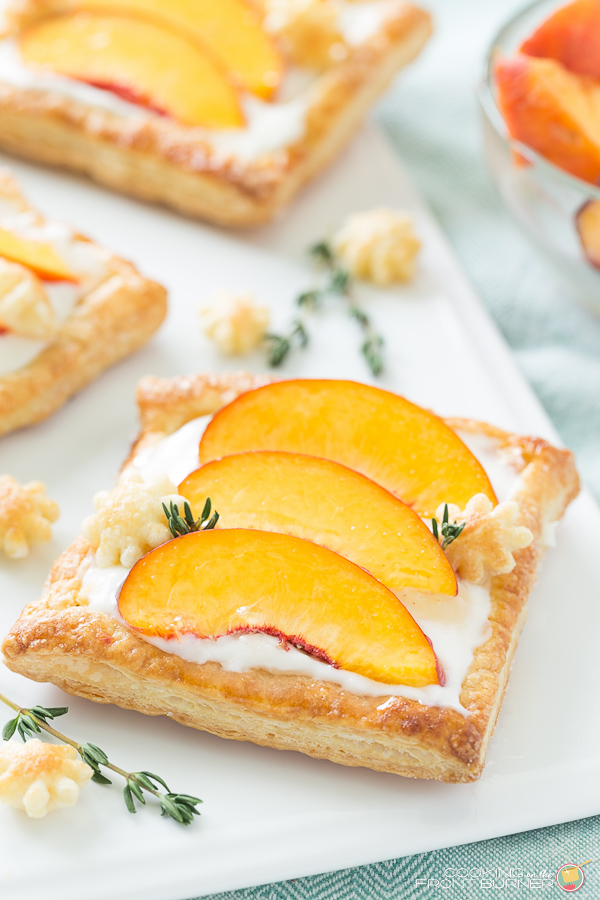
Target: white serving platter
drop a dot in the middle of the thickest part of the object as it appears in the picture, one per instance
(272, 815)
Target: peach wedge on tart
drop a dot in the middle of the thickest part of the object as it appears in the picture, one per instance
(138, 61)
(247, 627)
(213, 583)
(327, 503)
(374, 432)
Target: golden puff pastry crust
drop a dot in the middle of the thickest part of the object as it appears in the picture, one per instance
(156, 159)
(90, 654)
(108, 323)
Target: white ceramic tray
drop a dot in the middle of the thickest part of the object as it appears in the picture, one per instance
(271, 815)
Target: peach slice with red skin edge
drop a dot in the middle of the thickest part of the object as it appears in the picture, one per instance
(552, 111)
(40, 257)
(570, 35)
(214, 583)
(229, 31)
(164, 70)
(325, 502)
(410, 452)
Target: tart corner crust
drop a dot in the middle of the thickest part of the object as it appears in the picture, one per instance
(91, 655)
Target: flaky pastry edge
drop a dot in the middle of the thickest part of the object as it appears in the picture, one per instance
(91, 655)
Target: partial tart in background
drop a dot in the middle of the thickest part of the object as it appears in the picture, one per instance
(69, 309)
(220, 110)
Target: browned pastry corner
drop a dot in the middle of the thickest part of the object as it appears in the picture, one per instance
(90, 654)
(157, 159)
(108, 323)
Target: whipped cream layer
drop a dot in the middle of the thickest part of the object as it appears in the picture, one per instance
(456, 626)
(270, 126)
(84, 259)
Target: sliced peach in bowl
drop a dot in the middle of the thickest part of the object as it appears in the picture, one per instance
(214, 583)
(587, 221)
(552, 111)
(407, 450)
(325, 502)
(570, 35)
(38, 256)
(137, 60)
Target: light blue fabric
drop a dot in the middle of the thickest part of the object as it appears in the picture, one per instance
(432, 118)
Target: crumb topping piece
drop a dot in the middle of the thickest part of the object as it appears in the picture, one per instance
(378, 245)
(26, 513)
(490, 538)
(39, 777)
(130, 520)
(236, 323)
(25, 308)
(308, 29)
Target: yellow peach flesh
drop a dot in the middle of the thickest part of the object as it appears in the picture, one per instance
(325, 502)
(410, 452)
(138, 60)
(229, 31)
(41, 258)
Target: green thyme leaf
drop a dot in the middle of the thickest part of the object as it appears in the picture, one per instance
(178, 525)
(322, 252)
(450, 531)
(10, 728)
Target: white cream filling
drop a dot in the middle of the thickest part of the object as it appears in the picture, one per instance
(84, 259)
(456, 626)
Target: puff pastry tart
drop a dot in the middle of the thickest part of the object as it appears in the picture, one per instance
(321, 612)
(68, 310)
(220, 110)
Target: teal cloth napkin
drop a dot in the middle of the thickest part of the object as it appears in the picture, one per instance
(432, 118)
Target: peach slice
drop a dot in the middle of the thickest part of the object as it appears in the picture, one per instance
(229, 31)
(552, 111)
(324, 502)
(571, 35)
(588, 229)
(213, 583)
(41, 258)
(410, 452)
(137, 60)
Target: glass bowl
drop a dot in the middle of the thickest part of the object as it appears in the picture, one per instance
(543, 198)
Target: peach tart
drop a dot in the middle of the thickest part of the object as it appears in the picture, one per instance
(276, 564)
(68, 310)
(222, 110)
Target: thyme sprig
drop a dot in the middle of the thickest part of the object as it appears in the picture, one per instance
(280, 345)
(28, 722)
(340, 282)
(449, 530)
(185, 524)
(372, 347)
